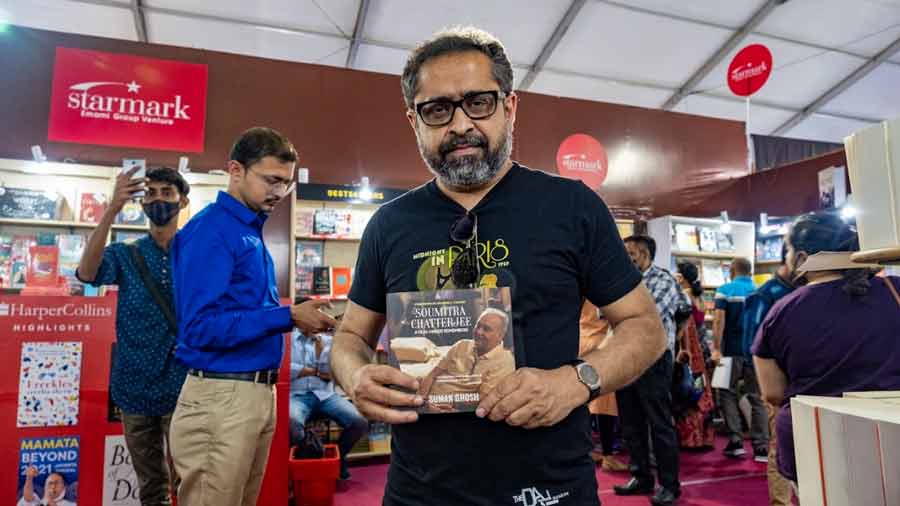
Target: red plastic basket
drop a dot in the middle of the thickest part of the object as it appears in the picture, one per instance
(315, 479)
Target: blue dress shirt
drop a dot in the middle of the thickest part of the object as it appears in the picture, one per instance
(229, 315)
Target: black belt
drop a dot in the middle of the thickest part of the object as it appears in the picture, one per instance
(269, 377)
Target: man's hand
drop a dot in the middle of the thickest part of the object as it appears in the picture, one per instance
(532, 398)
(31, 473)
(716, 356)
(307, 371)
(684, 357)
(376, 401)
(309, 319)
(125, 189)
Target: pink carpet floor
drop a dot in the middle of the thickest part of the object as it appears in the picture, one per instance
(708, 479)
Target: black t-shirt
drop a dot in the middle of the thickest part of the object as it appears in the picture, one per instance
(553, 242)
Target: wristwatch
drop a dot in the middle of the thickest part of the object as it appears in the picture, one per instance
(588, 376)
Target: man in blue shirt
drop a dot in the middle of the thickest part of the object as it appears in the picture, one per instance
(728, 342)
(231, 328)
(145, 379)
(313, 395)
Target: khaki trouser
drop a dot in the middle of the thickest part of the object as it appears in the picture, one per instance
(779, 487)
(147, 439)
(221, 433)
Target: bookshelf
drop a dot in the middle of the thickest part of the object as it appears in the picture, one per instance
(669, 251)
(57, 204)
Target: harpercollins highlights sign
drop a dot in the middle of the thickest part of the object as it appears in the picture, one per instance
(124, 100)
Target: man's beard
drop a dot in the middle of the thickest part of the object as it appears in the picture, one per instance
(469, 171)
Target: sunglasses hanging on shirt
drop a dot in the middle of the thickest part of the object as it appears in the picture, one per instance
(465, 270)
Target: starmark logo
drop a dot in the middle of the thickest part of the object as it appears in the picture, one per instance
(748, 71)
(580, 162)
(90, 100)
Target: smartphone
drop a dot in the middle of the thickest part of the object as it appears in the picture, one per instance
(140, 173)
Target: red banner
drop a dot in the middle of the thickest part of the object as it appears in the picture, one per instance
(124, 100)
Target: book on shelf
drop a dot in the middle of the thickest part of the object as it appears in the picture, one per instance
(28, 204)
(309, 254)
(325, 222)
(725, 242)
(769, 249)
(321, 280)
(686, 237)
(305, 219)
(131, 214)
(71, 247)
(127, 237)
(712, 273)
(708, 240)
(92, 207)
(456, 342)
(43, 266)
(341, 278)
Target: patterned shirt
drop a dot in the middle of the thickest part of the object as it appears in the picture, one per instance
(146, 379)
(303, 354)
(668, 297)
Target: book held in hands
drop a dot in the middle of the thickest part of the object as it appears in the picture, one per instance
(457, 343)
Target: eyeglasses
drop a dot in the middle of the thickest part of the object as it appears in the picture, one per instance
(465, 270)
(476, 105)
(273, 182)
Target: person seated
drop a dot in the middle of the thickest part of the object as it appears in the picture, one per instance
(313, 394)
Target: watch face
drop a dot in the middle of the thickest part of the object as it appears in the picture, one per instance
(588, 374)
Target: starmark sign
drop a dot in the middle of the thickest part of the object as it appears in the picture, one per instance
(124, 100)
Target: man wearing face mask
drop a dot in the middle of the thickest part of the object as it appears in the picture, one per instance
(231, 328)
(146, 379)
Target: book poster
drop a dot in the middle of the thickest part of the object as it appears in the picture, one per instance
(49, 380)
(48, 471)
(458, 343)
(120, 483)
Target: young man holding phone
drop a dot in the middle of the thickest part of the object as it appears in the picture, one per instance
(146, 379)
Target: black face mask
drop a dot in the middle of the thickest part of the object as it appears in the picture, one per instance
(161, 212)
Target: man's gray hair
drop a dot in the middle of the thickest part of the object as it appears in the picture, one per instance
(496, 312)
(456, 40)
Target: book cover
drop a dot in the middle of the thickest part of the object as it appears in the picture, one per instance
(832, 187)
(321, 280)
(93, 205)
(43, 266)
(305, 220)
(325, 222)
(725, 242)
(131, 214)
(49, 381)
(120, 483)
(343, 224)
(458, 343)
(341, 278)
(127, 236)
(359, 220)
(686, 237)
(309, 254)
(52, 465)
(711, 273)
(708, 240)
(24, 203)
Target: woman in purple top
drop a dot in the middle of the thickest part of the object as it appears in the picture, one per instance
(839, 333)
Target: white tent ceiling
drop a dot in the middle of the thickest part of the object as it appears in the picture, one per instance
(836, 62)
